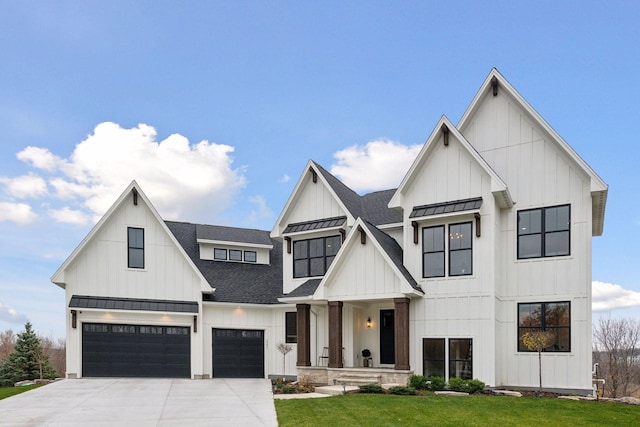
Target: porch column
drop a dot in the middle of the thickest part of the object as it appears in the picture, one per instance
(303, 331)
(401, 325)
(335, 334)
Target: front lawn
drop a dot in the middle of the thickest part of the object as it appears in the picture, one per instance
(389, 410)
(11, 391)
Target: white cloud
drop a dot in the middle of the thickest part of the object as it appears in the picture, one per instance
(262, 210)
(25, 186)
(20, 213)
(377, 165)
(40, 158)
(607, 296)
(285, 178)
(183, 180)
(10, 315)
(69, 216)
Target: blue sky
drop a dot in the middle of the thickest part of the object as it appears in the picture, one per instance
(215, 108)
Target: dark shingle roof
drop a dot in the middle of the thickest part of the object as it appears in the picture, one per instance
(372, 206)
(393, 249)
(106, 303)
(446, 207)
(235, 282)
(232, 234)
(306, 289)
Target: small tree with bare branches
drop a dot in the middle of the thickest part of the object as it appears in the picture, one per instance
(538, 341)
(284, 349)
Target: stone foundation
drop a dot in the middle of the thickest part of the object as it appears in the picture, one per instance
(325, 375)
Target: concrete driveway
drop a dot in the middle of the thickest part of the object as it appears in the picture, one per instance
(143, 402)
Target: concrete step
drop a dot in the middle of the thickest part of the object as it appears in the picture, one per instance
(334, 390)
(358, 379)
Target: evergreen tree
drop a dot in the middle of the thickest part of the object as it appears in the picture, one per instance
(28, 361)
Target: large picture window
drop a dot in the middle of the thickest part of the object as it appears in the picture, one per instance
(458, 249)
(459, 355)
(544, 232)
(291, 327)
(313, 257)
(546, 316)
(135, 244)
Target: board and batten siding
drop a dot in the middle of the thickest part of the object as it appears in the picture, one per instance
(539, 173)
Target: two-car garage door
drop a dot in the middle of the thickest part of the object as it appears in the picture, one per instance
(116, 350)
(110, 350)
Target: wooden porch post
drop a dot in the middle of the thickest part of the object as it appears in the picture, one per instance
(303, 330)
(335, 334)
(401, 324)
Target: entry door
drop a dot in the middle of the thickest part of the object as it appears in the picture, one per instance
(387, 338)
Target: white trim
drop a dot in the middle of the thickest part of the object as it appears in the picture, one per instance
(230, 243)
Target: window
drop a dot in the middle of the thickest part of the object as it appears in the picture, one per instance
(433, 251)
(549, 316)
(459, 250)
(314, 256)
(249, 256)
(220, 254)
(434, 355)
(291, 327)
(544, 232)
(235, 255)
(460, 361)
(135, 244)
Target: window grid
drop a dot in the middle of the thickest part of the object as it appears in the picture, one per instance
(135, 247)
(291, 327)
(546, 316)
(456, 253)
(544, 232)
(460, 249)
(458, 353)
(313, 257)
(433, 251)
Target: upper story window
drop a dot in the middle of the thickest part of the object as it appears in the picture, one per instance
(250, 256)
(458, 247)
(135, 245)
(291, 327)
(220, 254)
(235, 255)
(313, 257)
(546, 316)
(544, 232)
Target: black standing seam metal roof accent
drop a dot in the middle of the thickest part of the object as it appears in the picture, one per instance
(446, 207)
(315, 225)
(135, 304)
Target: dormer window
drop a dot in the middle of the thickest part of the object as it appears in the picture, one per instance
(220, 254)
(135, 245)
(235, 255)
(312, 257)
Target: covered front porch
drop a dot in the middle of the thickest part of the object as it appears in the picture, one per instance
(379, 326)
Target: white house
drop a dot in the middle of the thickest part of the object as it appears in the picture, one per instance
(488, 236)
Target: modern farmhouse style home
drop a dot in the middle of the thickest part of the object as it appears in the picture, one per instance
(487, 237)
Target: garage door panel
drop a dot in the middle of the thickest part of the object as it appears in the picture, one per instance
(135, 351)
(238, 353)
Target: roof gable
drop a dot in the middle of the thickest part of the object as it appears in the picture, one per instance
(347, 279)
(599, 188)
(444, 126)
(133, 191)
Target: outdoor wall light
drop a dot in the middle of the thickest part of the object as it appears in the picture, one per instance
(368, 322)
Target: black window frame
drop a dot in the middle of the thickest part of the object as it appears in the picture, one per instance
(309, 259)
(468, 360)
(461, 249)
(135, 247)
(543, 232)
(443, 364)
(426, 253)
(219, 250)
(255, 256)
(238, 254)
(545, 325)
(291, 327)
(434, 359)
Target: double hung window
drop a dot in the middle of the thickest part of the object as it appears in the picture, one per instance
(459, 356)
(313, 257)
(457, 249)
(135, 244)
(546, 316)
(544, 232)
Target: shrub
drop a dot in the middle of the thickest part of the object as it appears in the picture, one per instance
(289, 389)
(435, 383)
(458, 384)
(371, 388)
(475, 386)
(403, 391)
(418, 382)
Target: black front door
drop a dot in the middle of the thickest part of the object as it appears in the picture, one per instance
(387, 338)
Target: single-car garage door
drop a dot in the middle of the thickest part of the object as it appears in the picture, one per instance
(110, 350)
(238, 353)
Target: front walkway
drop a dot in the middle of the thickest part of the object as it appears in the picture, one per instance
(143, 402)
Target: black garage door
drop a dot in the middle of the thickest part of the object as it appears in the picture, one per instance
(135, 351)
(238, 353)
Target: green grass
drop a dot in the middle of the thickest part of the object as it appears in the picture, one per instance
(388, 410)
(11, 391)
